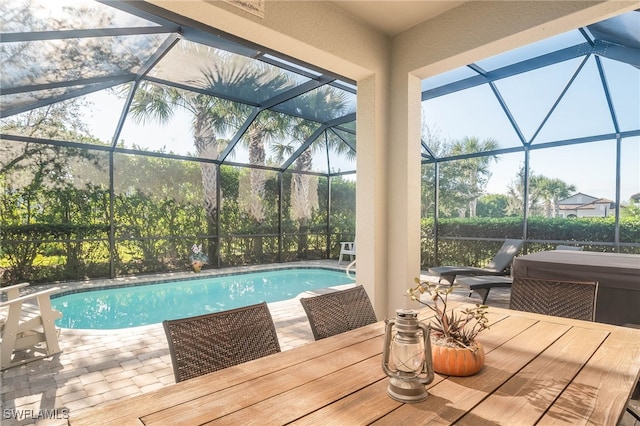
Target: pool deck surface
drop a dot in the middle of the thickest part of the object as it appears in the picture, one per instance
(98, 367)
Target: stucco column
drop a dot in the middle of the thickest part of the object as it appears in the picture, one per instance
(403, 206)
(372, 190)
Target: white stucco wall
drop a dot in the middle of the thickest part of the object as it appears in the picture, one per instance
(388, 73)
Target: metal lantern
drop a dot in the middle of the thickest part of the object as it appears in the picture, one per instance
(406, 357)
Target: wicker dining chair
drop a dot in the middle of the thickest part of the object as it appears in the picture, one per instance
(569, 299)
(211, 342)
(339, 311)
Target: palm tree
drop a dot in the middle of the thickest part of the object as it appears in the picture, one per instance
(552, 191)
(515, 204)
(214, 117)
(321, 103)
(246, 79)
(157, 103)
(268, 127)
(544, 194)
(472, 173)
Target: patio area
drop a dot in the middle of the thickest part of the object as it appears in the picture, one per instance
(98, 367)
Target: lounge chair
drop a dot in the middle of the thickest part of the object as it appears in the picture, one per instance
(347, 248)
(498, 266)
(27, 326)
(482, 284)
(339, 311)
(206, 343)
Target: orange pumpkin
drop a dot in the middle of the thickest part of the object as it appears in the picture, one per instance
(457, 361)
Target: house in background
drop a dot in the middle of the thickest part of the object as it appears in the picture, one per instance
(583, 205)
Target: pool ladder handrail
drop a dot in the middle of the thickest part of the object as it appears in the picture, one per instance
(349, 269)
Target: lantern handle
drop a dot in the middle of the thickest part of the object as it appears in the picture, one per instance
(428, 362)
(389, 322)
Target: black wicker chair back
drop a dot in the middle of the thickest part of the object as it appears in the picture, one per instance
(569, 299)
(338, 311)
(211, 342)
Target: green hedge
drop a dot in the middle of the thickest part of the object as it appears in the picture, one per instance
(463, 251)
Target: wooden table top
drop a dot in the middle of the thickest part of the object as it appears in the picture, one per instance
(538, 369)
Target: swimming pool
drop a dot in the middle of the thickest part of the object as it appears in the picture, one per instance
(133, 306)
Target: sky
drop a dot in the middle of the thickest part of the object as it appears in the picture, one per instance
(581, 112)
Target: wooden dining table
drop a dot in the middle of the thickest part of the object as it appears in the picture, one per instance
(539, 370)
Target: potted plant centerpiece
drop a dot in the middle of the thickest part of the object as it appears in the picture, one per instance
(455, 351)
(198, 258)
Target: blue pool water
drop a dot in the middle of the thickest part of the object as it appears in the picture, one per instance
(133, 306)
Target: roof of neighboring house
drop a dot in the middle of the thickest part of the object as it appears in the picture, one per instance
(587, 206)
(570, 200)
